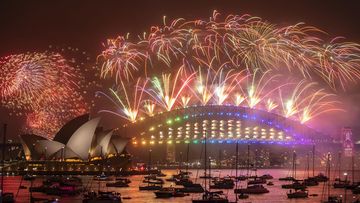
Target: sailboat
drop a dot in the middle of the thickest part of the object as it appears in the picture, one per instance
(153, 183)
(4, 196)
(183, 178)
(208, 196)
(338, 182)
(250, 189)
(297, 185)
(297, 194)
(309, 181)
(330, 198)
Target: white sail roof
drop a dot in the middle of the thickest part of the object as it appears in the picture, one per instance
(80, 141)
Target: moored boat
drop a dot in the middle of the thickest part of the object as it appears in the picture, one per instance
(252, 189)
(297, 194)
(212, 197)
(169, 192)
(192, 188)
(102, 197)
(117, 184)
(150, 186)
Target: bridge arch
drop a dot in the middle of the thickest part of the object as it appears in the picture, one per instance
(220, 124)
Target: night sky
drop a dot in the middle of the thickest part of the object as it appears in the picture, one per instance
(34, 25)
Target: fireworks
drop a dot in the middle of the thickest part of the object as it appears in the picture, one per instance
(45, 87)
(167, 90)
(24, 78)
(270, 92)
(239, 42)
(239, 60)
(130, 104)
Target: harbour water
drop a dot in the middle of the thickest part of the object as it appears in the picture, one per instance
(276, 195)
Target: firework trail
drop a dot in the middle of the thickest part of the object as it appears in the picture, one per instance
(240, 42)
(44, 87)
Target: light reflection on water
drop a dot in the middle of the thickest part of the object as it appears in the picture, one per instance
(276, 193)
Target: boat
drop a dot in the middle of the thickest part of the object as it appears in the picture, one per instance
(205, 176)
(212, 197)
(266, 177)
(155, 180)
(289, 178)
(192, 188)
(295, 185)
(44, 200)
(327, 187)
(223, 183)
(160, 174)
(297, 194)
(7, 197)
(102, 197)
(352, 186)
(256, 181)
(183, 182)
(310, 181)
(333, 199)
(341, 184)
(61, 190)
(126, 180)
(240, 177)
(270, 183)
(243, 196)
(293, 170)
(29, 177)
(321, 177)
(356, 190)
(169, 192)
(102, 177)
(181, 175)
(151, 186)
(252, 189)
(172, 179)
(117, 184)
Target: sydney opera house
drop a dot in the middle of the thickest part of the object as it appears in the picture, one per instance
(80, 145)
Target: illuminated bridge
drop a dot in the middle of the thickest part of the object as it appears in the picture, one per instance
(220, 124)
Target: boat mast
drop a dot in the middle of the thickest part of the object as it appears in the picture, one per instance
(248, 161)
(219, 160)
(149, 167)
(236, 167)
(339, 162)
(187, 157)
(308, 165)
(205, 161)
(329, 185)
(3, 160)
(294, 165)
(313, 160)
(180, 162)
(353, 169)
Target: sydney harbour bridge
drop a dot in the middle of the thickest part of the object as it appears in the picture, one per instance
(221, 124)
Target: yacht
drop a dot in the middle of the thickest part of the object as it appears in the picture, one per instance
(119, 183)
(212, 197)
(102, 197)
(252, 189)
(169, 192)
(223, 183)
(151, 186)
(297, 194)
